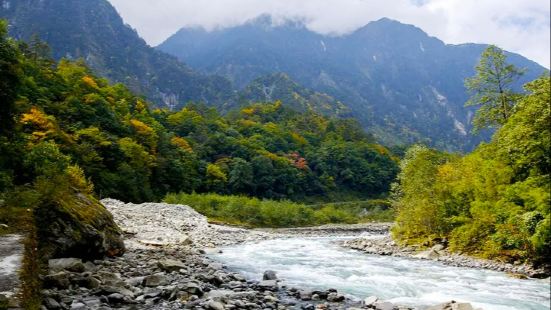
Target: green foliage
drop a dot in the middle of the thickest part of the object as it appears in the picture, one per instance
(66, 117)
(494, 202)
(492, 89)
(254, 212)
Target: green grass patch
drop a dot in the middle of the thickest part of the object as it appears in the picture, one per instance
(254, 212)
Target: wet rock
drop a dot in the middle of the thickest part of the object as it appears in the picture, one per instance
(370, 300)
(269, 275)
(69, 264)
(452, 305)
(268, 285)
(383, 305)
(305, 295)
(335, 297)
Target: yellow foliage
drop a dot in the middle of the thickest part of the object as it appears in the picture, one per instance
(181, 143)
(39, 120)
(247, 123)
(141, 128)
(298, 138)
(140, 106)
(248, 111)
(89, 81)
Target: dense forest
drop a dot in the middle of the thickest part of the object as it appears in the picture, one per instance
(59, 116)
(495, 201)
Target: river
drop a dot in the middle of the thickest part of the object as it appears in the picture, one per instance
(319, 263)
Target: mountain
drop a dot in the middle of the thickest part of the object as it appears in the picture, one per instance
(402, 84)
(279, 86)
(94, 31)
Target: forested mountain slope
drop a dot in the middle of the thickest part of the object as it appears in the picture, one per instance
(94, 31)
(401, 84)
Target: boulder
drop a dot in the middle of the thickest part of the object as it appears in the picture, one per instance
(305, 295)
(69, 264)
(452, 305)
(269, 275)
(215, 305)
(77, 226)
(370, 300)
(58, 280)
(155, 280)
(270, 285)
(335, 297)
(383, 305)
(170, 265)
(51, 304)
(429, 254)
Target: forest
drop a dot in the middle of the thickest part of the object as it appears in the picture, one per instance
(59, 120)
(493, 202)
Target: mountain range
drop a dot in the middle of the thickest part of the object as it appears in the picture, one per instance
(401, 84)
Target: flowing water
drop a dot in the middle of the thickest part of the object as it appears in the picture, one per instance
(319, 263)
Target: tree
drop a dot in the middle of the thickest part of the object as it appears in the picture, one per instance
(491, 89)
(10, 79)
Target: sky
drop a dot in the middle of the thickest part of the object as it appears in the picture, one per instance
(520, 26)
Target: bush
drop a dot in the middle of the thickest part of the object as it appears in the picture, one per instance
(253, 212)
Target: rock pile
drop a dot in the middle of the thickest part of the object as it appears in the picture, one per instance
(386, 246)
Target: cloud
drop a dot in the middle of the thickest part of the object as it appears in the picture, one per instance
(520, 26)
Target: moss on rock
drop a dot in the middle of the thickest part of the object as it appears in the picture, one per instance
(77, 226)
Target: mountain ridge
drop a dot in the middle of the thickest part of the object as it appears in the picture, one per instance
(402, 84)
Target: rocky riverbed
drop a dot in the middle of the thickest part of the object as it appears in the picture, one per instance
(384, 245)
(166, 267)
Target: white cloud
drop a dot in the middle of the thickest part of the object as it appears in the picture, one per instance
(520, 26)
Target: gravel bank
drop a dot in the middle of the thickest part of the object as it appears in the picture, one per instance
(384, 245)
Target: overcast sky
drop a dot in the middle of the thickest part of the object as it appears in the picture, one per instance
(521, 26)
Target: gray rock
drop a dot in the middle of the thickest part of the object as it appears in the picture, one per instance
(77, 306)
(193, 288)
(269, 275)
(215, 305)
(429, 254)
(370, 300)
(305, 295)
(438, 247)
(58, 280)
(268, 285)
(116, 298)
(335, 297)
(69, 264)
(87, 282)
(170, 265)
(51, 303)
(155, 280)
(108, 290)
(136, 281)
(383, 305)
(452, 305)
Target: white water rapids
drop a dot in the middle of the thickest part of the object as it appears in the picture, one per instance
(318, 263)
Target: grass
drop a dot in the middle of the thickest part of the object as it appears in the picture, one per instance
(254, 212)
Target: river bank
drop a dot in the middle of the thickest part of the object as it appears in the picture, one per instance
(167, 266)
